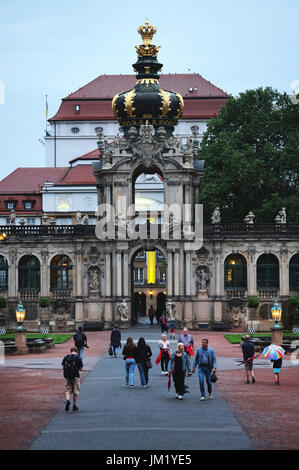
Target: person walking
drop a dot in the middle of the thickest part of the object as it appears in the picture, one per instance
(80, 341)
(248, 352)
(205, 359)
(163, 323)
(276, 369)
(144, 353)
(130, 355)
(164, 355)
(115, 340)
(178, 364)
(187, 339)
(72, 364)
(172, 328)
(151, 314)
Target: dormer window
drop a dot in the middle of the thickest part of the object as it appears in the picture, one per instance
(75, 130)
(77, 108)
(28, 205)
(10, 205)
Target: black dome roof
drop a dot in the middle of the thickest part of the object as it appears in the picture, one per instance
(147, 101)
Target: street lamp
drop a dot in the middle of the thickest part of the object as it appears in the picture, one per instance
(276, 311)
(20, 314)
(3, 236)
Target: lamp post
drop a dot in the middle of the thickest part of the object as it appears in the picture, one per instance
(277, 331)
(20, 315)
(20, 334)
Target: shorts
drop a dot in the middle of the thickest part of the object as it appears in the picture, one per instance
(72, 385)
(249, 365)
(276, 371)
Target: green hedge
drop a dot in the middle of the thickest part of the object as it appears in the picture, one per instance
(59, 338)
(236, 338)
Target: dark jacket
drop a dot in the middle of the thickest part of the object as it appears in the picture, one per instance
(247, 349)
(129, 352)
(115, 338)
(143, 353)
(80, 339)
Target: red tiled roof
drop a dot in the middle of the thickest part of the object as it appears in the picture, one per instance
(80, 174)
(30, 180)
(93, 155)
(95, 98)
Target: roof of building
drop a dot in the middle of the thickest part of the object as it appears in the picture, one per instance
(202, 98)
(93, 155)
(78, 175)
(30, 180)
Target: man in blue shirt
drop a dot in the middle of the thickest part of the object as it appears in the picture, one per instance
(205, 359)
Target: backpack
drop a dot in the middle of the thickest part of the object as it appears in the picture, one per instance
(69, 367)
(79, 340)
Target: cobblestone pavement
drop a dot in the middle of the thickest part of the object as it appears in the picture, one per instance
(32, 391)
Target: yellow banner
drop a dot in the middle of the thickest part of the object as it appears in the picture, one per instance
(151, 267)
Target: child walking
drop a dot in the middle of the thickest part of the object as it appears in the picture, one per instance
(276, 369)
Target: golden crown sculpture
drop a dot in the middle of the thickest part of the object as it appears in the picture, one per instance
(147, 32)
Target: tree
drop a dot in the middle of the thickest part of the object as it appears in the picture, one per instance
(251, 154)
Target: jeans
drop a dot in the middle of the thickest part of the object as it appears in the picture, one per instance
(129, 367)
(141, 373)
(204, 372)
(80, 352)
(115, 350)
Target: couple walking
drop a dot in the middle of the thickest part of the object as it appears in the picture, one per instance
(205, 360)
(137, 354)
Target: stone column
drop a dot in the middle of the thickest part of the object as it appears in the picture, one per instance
(218, 285)
(108, 290)
(126, 273)
(251, 272)
(12, 274)
(188, 273)
(45, 288)
(118, 273)
(169, 272)
(284, 272)
(176, 272)
(79, 286)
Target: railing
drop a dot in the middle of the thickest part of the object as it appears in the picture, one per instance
(268, 294)
(233, 293)
(29, 294)
(151, 231)
(61, 294)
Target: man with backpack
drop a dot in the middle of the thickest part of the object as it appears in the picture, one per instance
(72, 364)
(80, 340)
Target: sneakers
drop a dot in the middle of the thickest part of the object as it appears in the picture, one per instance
(162, 373)
(67, 405)
(247, 382)
(180, 397)
(75, 408)
(131, 385)
(176, 395)
(210, 396)
(253, 380)
(202, 398)
(166, 373)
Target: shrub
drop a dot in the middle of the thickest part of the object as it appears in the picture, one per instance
(44, 302)
(253, 302)
(3, 302)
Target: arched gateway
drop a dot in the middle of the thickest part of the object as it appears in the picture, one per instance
(147, 115)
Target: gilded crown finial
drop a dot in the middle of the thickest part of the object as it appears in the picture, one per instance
(147, 32)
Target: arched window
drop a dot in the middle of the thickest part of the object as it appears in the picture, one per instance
(29, 273)
(267, 272)
(294, 273)
(3, 273)
(235, 272)
(61, 273)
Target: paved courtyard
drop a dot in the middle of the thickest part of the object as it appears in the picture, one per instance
(114, 417)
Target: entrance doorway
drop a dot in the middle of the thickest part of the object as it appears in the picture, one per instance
(148, 285)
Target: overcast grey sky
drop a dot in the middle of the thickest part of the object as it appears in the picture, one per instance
(55, 47)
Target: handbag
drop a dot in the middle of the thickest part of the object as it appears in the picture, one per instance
(110, 351)
(214, 378)
(148, 363)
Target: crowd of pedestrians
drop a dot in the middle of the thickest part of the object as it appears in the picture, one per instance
(176, 365)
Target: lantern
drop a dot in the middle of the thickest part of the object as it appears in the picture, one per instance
(20, 315)
(276, 313)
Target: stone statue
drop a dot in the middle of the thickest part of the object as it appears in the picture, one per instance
(203, 279)
(249, 219)
(85, 219)
(178, 143)
(281, 217)
(170, 310)
(93, 280)
(216, 219)
(45, 219)
(78, 218)
(12, 217)
(123, 311)
(22, 222)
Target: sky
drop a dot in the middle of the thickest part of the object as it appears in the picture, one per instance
(55, 47)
